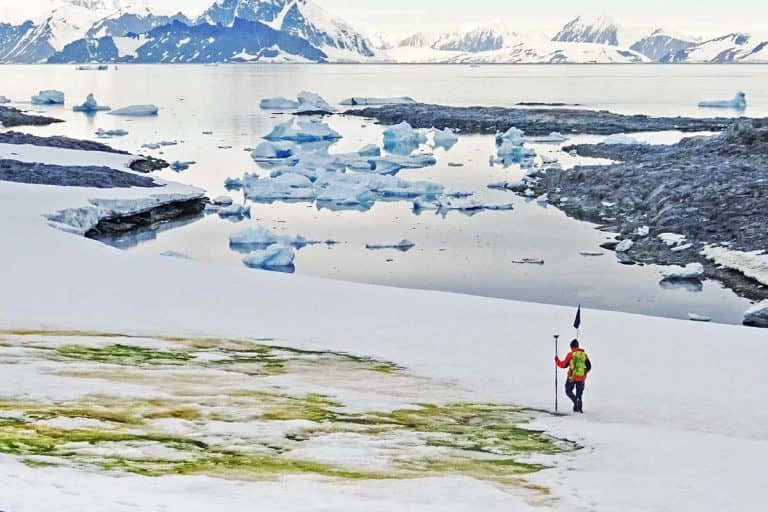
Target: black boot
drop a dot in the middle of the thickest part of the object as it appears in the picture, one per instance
(578, 407)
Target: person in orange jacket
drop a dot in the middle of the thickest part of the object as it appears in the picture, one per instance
(579, 366)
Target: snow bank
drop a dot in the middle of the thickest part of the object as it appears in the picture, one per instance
(738, 102)
(48, 97)
(90, 105)
(136, 111)
(752, 264)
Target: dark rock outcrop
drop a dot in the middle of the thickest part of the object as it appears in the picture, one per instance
(56, 142)
(10, 117)
(70, 176)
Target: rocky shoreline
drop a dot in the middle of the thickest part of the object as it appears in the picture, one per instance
(147, 220)
(711, 190)
(10, 117)
(537, 121)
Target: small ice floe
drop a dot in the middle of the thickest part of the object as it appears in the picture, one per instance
(511, 149)
(180, 166)
(286, 186)
(691, 272)
(233, 183)
(403, 138)
(470, 205)
(280, 152)
(552, 138)
(174, 254)
(591, 253)
(311, 103)
(158, 145)
(223, 201)
(347, 194)
(445, 138)
(278, 103)
(48, 97)
(302, 130)
(625, 246)
(90, 105)
(757, 315)
(136, 111)
(513, 135)
(276, 257)
(361, 100)
(695, 317)
(4, 99)
(106, 134)
(236, 211)
(403, 245)
(262, 237)
(620, 138)
(528, 261)
(643, 231)
(739, 102)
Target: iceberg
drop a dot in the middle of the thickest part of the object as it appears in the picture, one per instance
(260, 236)
(136, 111)
(278, 103)
(90, 105)
(311, 103)
(223, 201)
(513, 135)
(402, 138)
(275, 257)
(105, 134)
(691, 271)
(445, 138)
(757, 315)
(235, 210)
(233, 183)
(620, 138)
(48, 97)
(403, 245)
(360, 100)
(302, 130)
(288, 186)
(278, 152)
(739, 102)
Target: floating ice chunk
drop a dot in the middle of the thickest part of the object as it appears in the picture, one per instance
(90, 105)
(104, 134)
(402, 138)
(370, 150)
(514, 136)
(136, 111)
(403, 245)
(738, 102)
(553, 137)
(233, 183)
(288, 186)
(235, 210)
(260, 236)
(591, 253)
(625, 246)
(274, 257)
(279, 103)
(689, 272)
(347, 194)
(174, 254)
(757, 315)
(445, 138)
(471, 205)
(391, 164)
(643, 231)
(620, 138)
(695, 317)
(48, 97)
(278, 151)
(179, 166)
(510, 152)
(311, 103)
(4, 99)
(360, 100)
(303, 130)
(223, 201)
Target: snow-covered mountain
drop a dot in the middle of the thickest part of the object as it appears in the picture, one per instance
(599, 30)
(658, 45)
(737, 47)
(478, 39)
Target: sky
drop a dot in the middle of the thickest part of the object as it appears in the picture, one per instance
(704, 17)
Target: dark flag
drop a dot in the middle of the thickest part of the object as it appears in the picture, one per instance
(577, 320)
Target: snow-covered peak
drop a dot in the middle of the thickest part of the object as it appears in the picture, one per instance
(480, 38)
(599, 30)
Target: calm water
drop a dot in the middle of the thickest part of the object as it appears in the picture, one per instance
(456, 252)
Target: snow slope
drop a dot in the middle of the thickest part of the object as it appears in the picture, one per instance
(673, 419)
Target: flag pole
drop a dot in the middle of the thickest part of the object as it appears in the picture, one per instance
(556, 387)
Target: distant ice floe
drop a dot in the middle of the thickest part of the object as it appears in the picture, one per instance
(552, 138)
(158, 145)
(303, 130)
(278, 103)
(106, 134)
(48, 97)
(620, 138)
(403, 245)
(739, 102)
(90, 105)
(361, 100)
(136, 111)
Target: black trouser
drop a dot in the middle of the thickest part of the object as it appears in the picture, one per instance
(569, 387)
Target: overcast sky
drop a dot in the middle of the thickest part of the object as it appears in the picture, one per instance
(699, 16)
